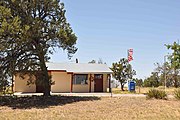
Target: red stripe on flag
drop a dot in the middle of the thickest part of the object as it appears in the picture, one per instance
(130, 55)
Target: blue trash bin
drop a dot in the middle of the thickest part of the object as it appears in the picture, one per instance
(131, 86)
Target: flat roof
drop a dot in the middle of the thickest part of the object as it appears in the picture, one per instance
(79, 67)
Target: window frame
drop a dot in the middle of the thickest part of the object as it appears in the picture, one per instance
(75, 81)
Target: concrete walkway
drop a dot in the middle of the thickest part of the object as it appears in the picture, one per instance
(84, 94)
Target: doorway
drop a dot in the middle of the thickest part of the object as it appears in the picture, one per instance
(98, 83)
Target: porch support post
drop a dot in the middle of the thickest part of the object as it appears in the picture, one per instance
(90, 78)
(72, 77)
(109, 78)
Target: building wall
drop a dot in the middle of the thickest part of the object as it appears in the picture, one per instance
(62, 82)
(81, 88)
(20, 84)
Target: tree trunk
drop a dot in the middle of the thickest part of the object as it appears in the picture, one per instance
(175, 82)
(12, 82)
(45, 77)
(47, 91)
(46, 81)
(175, 79)
(122, 86)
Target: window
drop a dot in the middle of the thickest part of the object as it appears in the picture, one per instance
(80, 79)
(98, 76)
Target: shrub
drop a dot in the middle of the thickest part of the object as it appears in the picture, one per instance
(157, 94)
(177, 94)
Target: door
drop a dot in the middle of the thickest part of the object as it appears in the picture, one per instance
(98, 83)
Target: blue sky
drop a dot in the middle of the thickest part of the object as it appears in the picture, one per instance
(107, 28)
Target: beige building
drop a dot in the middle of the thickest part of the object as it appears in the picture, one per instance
(70, 77)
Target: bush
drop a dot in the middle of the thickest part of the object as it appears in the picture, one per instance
(157, 94)
(177, 94)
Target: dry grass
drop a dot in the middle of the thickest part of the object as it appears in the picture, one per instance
(125, 108)
(143, 90)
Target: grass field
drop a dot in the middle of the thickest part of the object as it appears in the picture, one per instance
(84, 108)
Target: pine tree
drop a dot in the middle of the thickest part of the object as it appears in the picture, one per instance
(30, 30)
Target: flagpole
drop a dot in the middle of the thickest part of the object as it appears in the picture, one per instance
(128, 62)
(129, 58)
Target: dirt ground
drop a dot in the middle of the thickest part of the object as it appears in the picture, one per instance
(105, 108)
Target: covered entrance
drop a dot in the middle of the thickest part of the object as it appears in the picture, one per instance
(98, 83)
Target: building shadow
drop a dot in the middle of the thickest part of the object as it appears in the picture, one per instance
(28, 102)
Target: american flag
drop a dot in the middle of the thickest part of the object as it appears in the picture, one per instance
(130, 55)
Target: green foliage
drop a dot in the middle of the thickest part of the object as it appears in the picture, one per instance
(174, 59)
(100, 61)
(175, 56)
(139, 82)
(92, 61)
(177, 94)
(162, 70)
(122, 71)
(152, 81)
(29, 32)
(157, 94)
(3, 85)
(169, 70)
